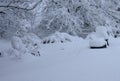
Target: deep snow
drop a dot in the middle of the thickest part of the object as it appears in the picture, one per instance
(71, 61)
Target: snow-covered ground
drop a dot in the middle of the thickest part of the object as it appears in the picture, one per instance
(70, 61)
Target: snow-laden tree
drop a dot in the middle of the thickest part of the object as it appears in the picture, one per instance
(76, 16)
(13, 13)
(56, 16)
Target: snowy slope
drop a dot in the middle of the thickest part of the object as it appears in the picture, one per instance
(72, 61)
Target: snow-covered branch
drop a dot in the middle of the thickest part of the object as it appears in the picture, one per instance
(22, 8)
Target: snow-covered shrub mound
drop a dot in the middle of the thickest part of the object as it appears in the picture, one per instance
(91, 36)
(16, 43)
(101, 31)
(18, 48)
(96, 40)
(31, 39)
(57, 37)
(32, 43)
(4, 45)
(99, 42)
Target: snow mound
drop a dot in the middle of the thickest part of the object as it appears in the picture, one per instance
(99, 42)
(16, 43)
(32, 43)
(18, 48)
(91, 36)
(101, 31)
(22, 46)
(31, 39)
(57, 38)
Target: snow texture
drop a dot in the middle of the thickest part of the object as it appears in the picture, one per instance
(72, 61)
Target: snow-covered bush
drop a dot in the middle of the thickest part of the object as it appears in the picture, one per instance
(32, 43)
(101, 32)
(97, 43)
(18, 48)
(35, 50)
(97, 38)
(31, 39)
(16, 43)
(91, 36)
(57, 37)
(28, 44)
